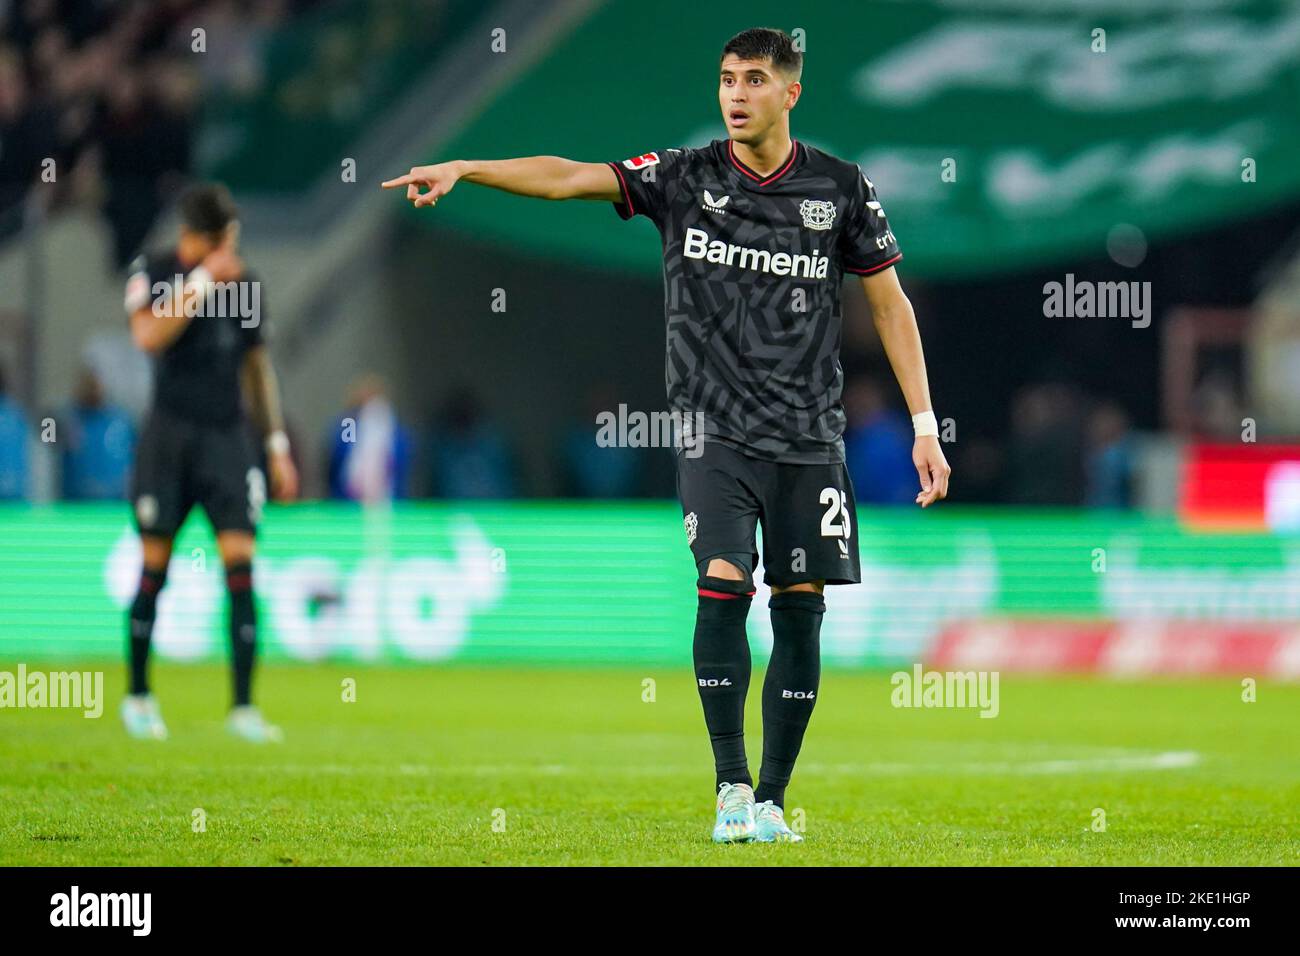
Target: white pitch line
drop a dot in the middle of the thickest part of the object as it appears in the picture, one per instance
(1168, 760)
(1121, 763)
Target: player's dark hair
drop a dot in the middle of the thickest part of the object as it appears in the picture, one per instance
(762, 43)
(207, 208)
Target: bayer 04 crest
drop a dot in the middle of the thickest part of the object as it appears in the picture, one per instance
(817, 213)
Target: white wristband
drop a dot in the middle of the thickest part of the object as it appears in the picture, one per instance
(924, 423)
(277, 443)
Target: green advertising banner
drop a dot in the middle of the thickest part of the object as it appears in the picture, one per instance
(999, 133)
(542, 582)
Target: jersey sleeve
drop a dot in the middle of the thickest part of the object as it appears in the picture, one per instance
(867, 244)
(643, 182)
(139, 286)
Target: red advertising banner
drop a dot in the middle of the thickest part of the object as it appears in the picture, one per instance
(1241, 487)
(1121, 649)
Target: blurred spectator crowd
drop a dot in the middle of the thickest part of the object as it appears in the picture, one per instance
(94, 442)
(102, 101)
(1061, 447)
(99, 100)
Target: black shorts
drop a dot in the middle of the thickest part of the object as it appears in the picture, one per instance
(807, 513)
(180, 463)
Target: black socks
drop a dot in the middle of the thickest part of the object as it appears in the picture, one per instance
(790, 689)
(722, 665)
(140, 626)
(722, 669)
(243, 630)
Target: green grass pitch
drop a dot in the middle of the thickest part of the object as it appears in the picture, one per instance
(502, 766)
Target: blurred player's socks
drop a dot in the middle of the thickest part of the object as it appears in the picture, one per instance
(722, 666)
(140, 626)
(243, 630)
(790, 688)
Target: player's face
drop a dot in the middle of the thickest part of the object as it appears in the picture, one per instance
(195, 246)
(753, 97)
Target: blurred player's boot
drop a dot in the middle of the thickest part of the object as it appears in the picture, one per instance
(142, 718)
(735, 822)
(247, 723)
(769, 825)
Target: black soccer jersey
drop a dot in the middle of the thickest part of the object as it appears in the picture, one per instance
(752, 272)
(197, 377)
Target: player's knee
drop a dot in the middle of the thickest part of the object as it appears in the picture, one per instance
(236, 547)
(798, 599)
(724, 568)
(239, 577)
(733, 566)
(156, 552)
(152, 579)
(724, 588)
(796, 626)
(806, 587)
(724, 595)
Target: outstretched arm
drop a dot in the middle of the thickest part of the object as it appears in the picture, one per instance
(544, 177)
(896, 324)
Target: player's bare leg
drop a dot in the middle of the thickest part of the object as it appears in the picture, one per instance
(140, 713)
(789, 694)
(245, 720)
(722, 667)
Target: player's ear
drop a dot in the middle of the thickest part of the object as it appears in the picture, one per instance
(792, 93)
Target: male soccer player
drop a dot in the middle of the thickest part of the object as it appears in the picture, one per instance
(758, 231)
(198, 312)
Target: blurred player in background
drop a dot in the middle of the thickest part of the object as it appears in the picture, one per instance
(758, 233)
(197, 310)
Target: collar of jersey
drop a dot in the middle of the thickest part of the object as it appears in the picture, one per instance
(754, 179)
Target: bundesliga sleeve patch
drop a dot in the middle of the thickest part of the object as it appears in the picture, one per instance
(642, 161)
